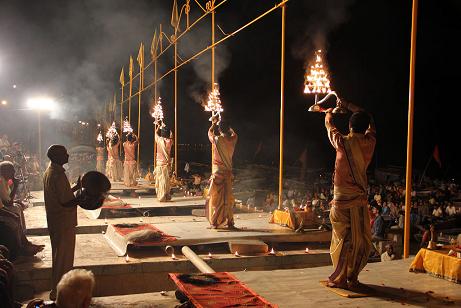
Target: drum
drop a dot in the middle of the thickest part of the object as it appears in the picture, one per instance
(95, 187)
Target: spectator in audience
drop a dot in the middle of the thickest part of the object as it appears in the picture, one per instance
(401, 219)
(4, 144)
(389, 254)
(6, 280)
(11, 222)
(438, 212)
(386, 210)
(377, 230)
(451, 209)
(394, 210)
(74, 290)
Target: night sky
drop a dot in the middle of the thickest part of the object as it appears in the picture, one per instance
(74, 50)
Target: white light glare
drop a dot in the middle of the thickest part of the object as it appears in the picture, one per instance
(41, 103)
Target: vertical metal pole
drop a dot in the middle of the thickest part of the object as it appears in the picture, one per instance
(175, 104)
(212, 44)
(129, 98)
(282, 106)
(115, 109)
(121, 119)
(39, 140)
(141, 86)
(212, 64)
(155, 101)
(411, 96)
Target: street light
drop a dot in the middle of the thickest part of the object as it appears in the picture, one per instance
(40, 104)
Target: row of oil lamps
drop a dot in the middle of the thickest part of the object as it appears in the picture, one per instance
(210, 256)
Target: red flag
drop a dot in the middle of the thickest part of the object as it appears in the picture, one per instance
(436, 155)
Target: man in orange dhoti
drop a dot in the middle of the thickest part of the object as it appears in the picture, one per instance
(220, 199)
(129, 165)
(100, 157)
(114, 165)
(351, 235)
(164, 141)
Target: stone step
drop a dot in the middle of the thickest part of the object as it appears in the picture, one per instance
(140, 276)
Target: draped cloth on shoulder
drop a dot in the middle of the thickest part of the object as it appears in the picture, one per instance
(162, 169)
(221, 200)
(351, 236)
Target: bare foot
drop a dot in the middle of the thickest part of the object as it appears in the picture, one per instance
(355, 285)
(331, 284)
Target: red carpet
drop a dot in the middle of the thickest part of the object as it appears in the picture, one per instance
(125, 229)
(218, 290)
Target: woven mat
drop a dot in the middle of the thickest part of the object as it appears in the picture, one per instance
(118, 239)
(226, 291)
(125, 230)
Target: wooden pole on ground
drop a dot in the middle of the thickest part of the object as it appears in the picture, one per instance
(196, 260)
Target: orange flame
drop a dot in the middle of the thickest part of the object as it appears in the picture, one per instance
(316, 80)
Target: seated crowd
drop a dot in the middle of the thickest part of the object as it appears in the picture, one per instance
(433, 204)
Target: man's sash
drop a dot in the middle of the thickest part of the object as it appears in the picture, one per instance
(350, 196)
(162, 147)
(225, 155)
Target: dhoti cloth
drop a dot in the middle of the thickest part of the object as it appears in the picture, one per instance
(100, 165)
(62, 248)
(162, 182)
(350, 242)
(130, 173)
(114, 169)
(220, 199)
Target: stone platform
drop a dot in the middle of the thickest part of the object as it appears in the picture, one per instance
(146, 270)
(150, 264)
(394, 287)
(149, 206)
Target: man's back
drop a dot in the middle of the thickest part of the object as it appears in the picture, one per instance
(223, 148)
(129, 148)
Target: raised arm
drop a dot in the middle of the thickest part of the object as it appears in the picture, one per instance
(233, 134)
(211, 135)
(334, 135)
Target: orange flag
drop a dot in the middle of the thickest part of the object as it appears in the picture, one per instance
(436, 155)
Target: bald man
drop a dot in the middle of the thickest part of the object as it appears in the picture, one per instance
(61, 213)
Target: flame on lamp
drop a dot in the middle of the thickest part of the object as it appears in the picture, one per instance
(99, 138)
(173, 256)
(127, 126)
(316, 80)
(272, 252)
(157, 114)
(236, 254)
(214, 101)
(112, 131)
(307, 250)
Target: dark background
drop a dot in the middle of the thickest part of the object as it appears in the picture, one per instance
(74, 50)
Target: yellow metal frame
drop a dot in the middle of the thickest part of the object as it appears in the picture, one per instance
(210, 8)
